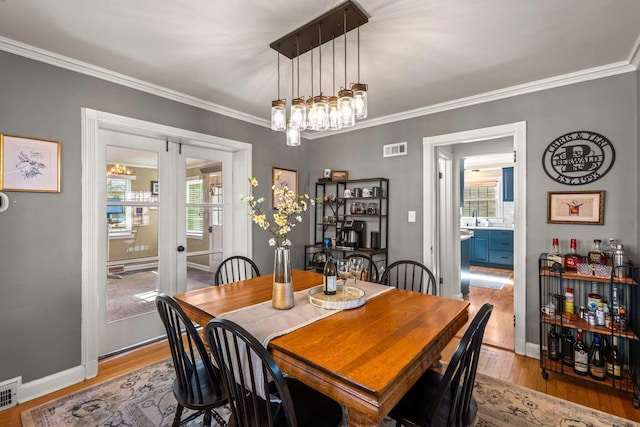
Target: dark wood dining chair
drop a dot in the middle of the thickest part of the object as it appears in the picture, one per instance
(446, 399)
(370, 267)
(235, 268)
(411, 276)
(198, 384)
(251, 375)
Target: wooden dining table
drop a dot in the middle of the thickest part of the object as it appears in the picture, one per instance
(365, 358)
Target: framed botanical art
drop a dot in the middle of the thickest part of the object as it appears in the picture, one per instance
(29, 164)
(575, 207)
(281, 177)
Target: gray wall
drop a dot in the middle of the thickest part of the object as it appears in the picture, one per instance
(607, 106)
(40, 255)
(40, 259)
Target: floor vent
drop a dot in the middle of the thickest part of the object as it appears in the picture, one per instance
(9, 394)
(392, 150)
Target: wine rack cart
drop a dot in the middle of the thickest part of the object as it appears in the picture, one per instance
(553, 284)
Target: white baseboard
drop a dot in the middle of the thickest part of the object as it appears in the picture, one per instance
(49, 384)
(532, 350)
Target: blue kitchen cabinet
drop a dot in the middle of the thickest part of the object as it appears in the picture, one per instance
(492, 248)
(479, 248)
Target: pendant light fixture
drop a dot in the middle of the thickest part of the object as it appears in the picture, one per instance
(278, 108)
(345, 96)
(320, 112)
(359, 90)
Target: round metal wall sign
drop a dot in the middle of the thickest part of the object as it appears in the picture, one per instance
(578, 158)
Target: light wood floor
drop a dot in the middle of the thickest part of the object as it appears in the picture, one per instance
(494, 362)
(500, 330)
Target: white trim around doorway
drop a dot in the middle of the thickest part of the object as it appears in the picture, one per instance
(518, 132)
(92, 121)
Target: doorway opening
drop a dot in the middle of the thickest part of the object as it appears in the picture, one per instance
(442, 215)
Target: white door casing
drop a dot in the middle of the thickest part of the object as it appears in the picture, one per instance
(92, 214)
(431, 224)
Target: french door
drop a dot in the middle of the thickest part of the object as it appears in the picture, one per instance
(164, 229)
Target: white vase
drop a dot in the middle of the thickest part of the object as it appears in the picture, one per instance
(282, 297)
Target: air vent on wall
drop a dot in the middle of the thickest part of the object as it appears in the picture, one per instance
(9, 393)
(392, 150)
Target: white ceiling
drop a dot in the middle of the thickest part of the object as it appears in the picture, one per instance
(415, 54)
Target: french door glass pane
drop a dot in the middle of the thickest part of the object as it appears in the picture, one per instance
(204, 201)
(132, 223)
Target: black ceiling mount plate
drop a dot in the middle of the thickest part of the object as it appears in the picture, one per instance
(332, 24)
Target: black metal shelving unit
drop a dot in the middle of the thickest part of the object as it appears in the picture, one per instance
(335, 209)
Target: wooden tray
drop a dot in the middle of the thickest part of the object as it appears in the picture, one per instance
(345, 297)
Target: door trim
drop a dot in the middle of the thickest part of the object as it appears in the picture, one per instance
(518, 131)
(92, 121)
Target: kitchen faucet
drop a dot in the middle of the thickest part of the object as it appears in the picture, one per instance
(474, 215)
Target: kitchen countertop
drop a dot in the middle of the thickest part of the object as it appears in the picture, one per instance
(490, 227)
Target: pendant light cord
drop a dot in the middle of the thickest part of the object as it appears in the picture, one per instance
(345, 48)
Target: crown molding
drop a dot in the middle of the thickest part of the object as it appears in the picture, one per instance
(535, 86)
(634, 57)
(61, 61)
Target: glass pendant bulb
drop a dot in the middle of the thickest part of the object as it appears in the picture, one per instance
(335, 121)
(346, 108)
(321, 109)
(278, 115)
(360, 99)
(311, 114)
(299, 113)
(293, 135)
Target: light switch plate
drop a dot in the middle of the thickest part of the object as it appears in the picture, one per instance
(412, 216)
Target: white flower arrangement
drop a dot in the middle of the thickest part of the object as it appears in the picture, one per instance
(289, 207)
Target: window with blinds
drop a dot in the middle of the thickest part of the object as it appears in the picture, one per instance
(195, 194)
(481, 197)
(118, 216)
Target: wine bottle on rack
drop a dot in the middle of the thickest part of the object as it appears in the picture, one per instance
(553, 345)
(572, 259)
(614, 360)
(596, 360)
(596, 255)
(567, 347)
(580, 356)
(330, 272)
(555, 256)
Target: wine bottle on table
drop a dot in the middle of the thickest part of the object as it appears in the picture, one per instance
(330, 272)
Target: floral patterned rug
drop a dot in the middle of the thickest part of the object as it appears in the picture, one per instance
(143, 398)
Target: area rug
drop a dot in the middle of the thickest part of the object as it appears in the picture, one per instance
(143, 398)
(488, 279)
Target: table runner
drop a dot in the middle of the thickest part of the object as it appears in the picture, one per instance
(266, 323)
